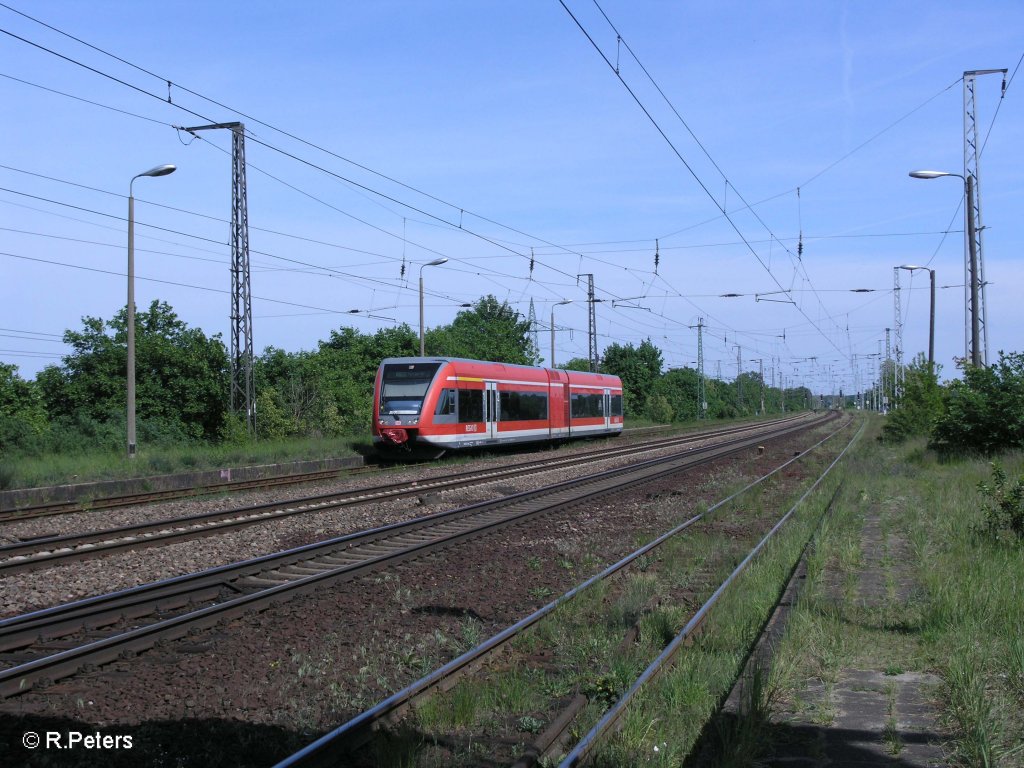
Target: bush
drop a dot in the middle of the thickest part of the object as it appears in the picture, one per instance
(658, 409)
(984, 413)
(1005, 509)
(919, 405)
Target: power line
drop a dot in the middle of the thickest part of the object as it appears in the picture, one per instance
(170, 282)
(352, 182)
(797, 261)
(688, 167)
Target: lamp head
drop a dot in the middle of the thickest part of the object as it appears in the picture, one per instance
(930, 174)
(436, 262)
(160, 170)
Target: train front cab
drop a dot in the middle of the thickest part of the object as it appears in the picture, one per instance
(403, 396)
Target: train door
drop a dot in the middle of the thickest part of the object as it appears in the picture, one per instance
(607, 410)
(567, 409)
(492, 408)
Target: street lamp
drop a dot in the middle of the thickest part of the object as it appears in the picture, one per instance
(160, 170)
(434, 263)
(972, 254)
(557, 304)
(931, 317)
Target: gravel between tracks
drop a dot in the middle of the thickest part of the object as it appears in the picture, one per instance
(266, 683)
(24, 592)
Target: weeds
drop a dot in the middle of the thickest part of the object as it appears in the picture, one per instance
(1005, 507)
(741, 737)
(529, 724)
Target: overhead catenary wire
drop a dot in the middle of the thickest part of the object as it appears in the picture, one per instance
(686, 164)
(440, 220)
(797, 262)
(796, 291)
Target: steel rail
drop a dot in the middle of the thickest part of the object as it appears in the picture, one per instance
(179, 587)
(329, 748)
(22, 631)
(49, 509)
(611, 717)
(42, 552)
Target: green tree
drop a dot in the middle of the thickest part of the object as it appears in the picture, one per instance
(181, 379)
(345, 366)
(748, 393)
(918, 406)
(679, 388)
(575, 364)
(491, 330)
(22, 415)
(984, 412)
(658, 410)
(638, 367)
(327, 392)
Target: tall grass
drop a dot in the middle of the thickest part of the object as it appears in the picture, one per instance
(81, 467)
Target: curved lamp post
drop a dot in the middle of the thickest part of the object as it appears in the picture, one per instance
(556, 304)
(434, 263)
(931, 316)
(972, 254)
(160, 170)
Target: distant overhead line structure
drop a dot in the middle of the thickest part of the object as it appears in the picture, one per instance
(243, 394)
(974, 283)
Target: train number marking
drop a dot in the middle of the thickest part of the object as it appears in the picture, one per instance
(471, 427)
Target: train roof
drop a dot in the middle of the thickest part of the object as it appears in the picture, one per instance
(399, 360)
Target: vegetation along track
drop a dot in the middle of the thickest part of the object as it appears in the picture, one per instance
(174, 607)
(344, 742)
(43, 552)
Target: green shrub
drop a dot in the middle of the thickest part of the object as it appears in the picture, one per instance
(918, 406)
(984, 413)
(1005, 508)
(658, 409)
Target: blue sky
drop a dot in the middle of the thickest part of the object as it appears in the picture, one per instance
(479, 131)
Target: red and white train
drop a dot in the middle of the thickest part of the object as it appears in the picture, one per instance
(444, 403)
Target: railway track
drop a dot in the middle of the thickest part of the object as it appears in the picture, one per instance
(56, 642)
(46, 551)
(48, 509)
(345, 741)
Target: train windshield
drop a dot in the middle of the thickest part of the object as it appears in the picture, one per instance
(404, 385)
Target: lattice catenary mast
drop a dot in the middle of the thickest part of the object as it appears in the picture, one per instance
(591, 322)
(972, 173)
(534, 334)
(898, 373)
(243, 394)
(702, 395)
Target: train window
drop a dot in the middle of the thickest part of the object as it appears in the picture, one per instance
(587, 406)
(523, 406)
(471, 405)
(616, 405)
(445, 403)
(404, 386)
